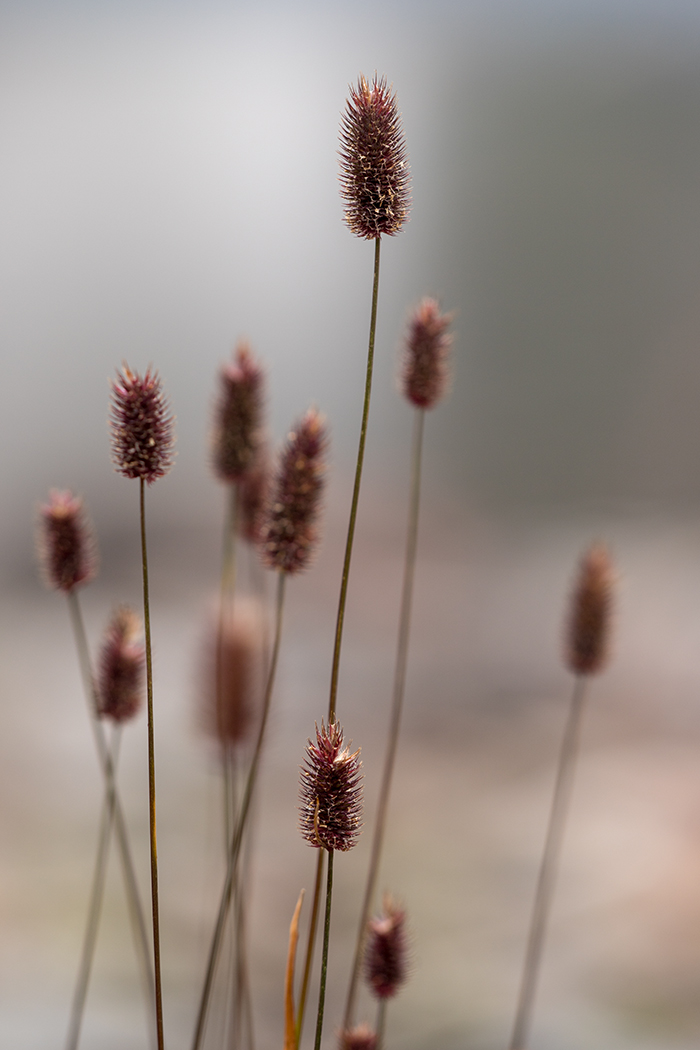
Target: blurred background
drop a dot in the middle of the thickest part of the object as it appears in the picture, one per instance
(169, 184)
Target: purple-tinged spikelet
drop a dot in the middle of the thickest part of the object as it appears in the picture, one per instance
(141, 426)
(330, 793)
(232, 681)
(385, 958)
(374, 173)
(120, 679)
(237, 419)
(289, 528)
(425, 362)
(360, 1038)
(252, 496)
(65, 542)
(588, 634)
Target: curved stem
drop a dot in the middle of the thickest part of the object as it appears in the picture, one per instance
(355, 492)
(235, 848)
(324, 956)
(133, 897)
(548, 867)
(151, 772)
(396, 709)
(95, 907)
(311, 944)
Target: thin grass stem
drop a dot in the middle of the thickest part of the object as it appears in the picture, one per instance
(396, 710)
(381, 1023)
(324, 954)
(310, 946)
(151, 772)
(235, 847)
(548, 866)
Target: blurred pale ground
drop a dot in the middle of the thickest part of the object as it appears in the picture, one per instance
(168, 183)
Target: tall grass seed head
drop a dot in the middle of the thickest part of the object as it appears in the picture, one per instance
(289, 530)
(359, 1038)
(141, 426)
(237, 430)
(232, 674)
(374, 172)
(425, 370)
(588, 629)
(330, 792)
(386, 952)
(65, 542)
(121, 666)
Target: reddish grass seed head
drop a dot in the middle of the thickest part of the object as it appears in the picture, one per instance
(330, 792)
(385, 958)
(237, 431)
(374, 173)
(359, 1038)
(120, 680)
(232, 680)
(425, 371)
(141, 426)
(289, 529)
(588, 633)
(65, 542)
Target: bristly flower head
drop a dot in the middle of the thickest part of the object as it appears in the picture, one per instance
(374, 174)
(360, 1038)
(233, 673)
(588, 634)
(289, 529)
(330, 793)
(65, 542)
(385, 960)
(237, 418)
(120, 681)
(141, 426)
(425, 361)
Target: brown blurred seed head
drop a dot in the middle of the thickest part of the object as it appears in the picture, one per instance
(253, 491)
(237, 418)
(425, 361)
(374, 173)
(359, 1038)
(385, 958)
(233, 672)
(289, 529)
(65, 542)
(120, 677)
(330, 793)
(588, 632)
(141, 426)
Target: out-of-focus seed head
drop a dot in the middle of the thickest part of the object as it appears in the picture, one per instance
(289, 529)
(330, 793)
(141, 426)
(426, 355)
(233, 674)
(65, 542)
(237, 430)
(385, 958)
(359, 1038)
(374, 173)
(588, 632)
(253, 490)
(120, 678)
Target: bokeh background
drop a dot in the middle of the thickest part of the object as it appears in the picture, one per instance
(168, 184)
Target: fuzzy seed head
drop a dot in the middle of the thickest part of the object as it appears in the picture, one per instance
(232, 680)
(122, 657)
(588, 635)
(426, 355)
(385, 959)
(360, 1038)
(289, 530)
(253, 490)
(374, 173)
(141, 426)
(65, 542)
(330, 792)
(237, 431)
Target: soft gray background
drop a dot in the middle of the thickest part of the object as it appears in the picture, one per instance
(168, 183)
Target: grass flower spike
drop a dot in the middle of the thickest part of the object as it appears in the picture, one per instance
(360, 1038)
(141, 426)
(330, 792)
(231, 700)
(589, 624)
(66, 544)
(374, 174)
(385, 961)
(237, 420)
(122, 660)
(425, 364)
